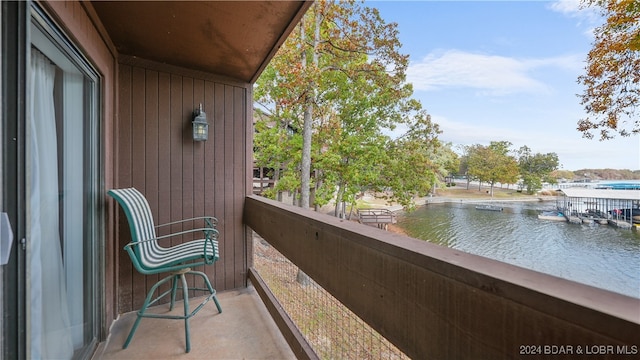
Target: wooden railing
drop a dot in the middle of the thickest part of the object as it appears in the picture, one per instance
(439, 303)
(262, 184)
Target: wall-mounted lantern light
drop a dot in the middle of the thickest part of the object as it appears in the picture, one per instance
(200, 125)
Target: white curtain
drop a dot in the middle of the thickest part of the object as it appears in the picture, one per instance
(48, 316)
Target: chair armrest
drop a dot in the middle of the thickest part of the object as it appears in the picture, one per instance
(207, 231)
(209, 220)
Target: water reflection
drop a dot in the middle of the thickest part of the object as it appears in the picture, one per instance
(597, 255)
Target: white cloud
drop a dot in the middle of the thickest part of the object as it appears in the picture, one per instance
(498, 75)
(572, 8)
(574, 62)
(569, 7)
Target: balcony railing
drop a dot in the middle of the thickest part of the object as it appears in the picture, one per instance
(435, 302)
(330, 328)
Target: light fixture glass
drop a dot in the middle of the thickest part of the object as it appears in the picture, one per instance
(200, 125)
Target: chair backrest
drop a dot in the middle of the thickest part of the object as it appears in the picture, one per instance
(138, 213)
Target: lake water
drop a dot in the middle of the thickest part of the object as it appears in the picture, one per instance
(599, 255)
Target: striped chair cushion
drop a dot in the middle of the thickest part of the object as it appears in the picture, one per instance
(150, 254)
(188, 251)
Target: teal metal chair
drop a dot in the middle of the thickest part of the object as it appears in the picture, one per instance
(149, 257)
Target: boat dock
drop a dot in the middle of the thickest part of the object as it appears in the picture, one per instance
(620, 223)
(380, 218)
(620, 208)
(489, 207)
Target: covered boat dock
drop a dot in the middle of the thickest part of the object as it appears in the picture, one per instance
(619, 208)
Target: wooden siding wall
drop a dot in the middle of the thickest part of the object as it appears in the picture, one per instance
(179, 177)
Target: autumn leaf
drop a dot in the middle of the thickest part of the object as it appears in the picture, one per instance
(612, 79)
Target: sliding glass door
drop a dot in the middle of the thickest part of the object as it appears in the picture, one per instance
(62, 186)
(51, 183)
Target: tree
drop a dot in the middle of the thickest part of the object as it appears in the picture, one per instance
(464, 161)
(341, 79)
(536, 168)
(612, 80)
(447, 164)
(562, 174)
(414, 162)
(493, 164)
(277, 147)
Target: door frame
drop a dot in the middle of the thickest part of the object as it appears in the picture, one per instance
(15, 44)
(16, 18)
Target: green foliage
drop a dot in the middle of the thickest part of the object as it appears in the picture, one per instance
(277, 147)
(536, 168)
(562, 174)
(414, 163)
(492, 164)
(450, 161)
(341, 77)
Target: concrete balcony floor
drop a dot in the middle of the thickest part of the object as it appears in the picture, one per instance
(244, 330)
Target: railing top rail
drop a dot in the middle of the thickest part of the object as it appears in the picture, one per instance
(374, 211)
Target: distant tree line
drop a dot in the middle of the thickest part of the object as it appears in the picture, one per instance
(498, 163)
(596, 174)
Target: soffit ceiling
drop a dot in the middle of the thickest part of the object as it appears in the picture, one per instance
(230, 38)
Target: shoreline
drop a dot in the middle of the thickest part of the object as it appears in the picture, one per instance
(424, 201)
(395, 229)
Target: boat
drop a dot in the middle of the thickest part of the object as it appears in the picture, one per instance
(627, 214)
(586, 220)
(594, 216)
(489, 207)
(552, 215)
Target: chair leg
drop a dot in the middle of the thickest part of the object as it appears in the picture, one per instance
(185, 292)
(174, 287)
(133, 330)
(175, 277)
(143, 309)
(212, 291)
(215, 300)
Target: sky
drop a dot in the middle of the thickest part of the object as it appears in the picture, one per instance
(506, 71)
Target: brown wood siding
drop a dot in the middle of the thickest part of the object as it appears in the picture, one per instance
(182, 178)
(218, 173)
(124, 164)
